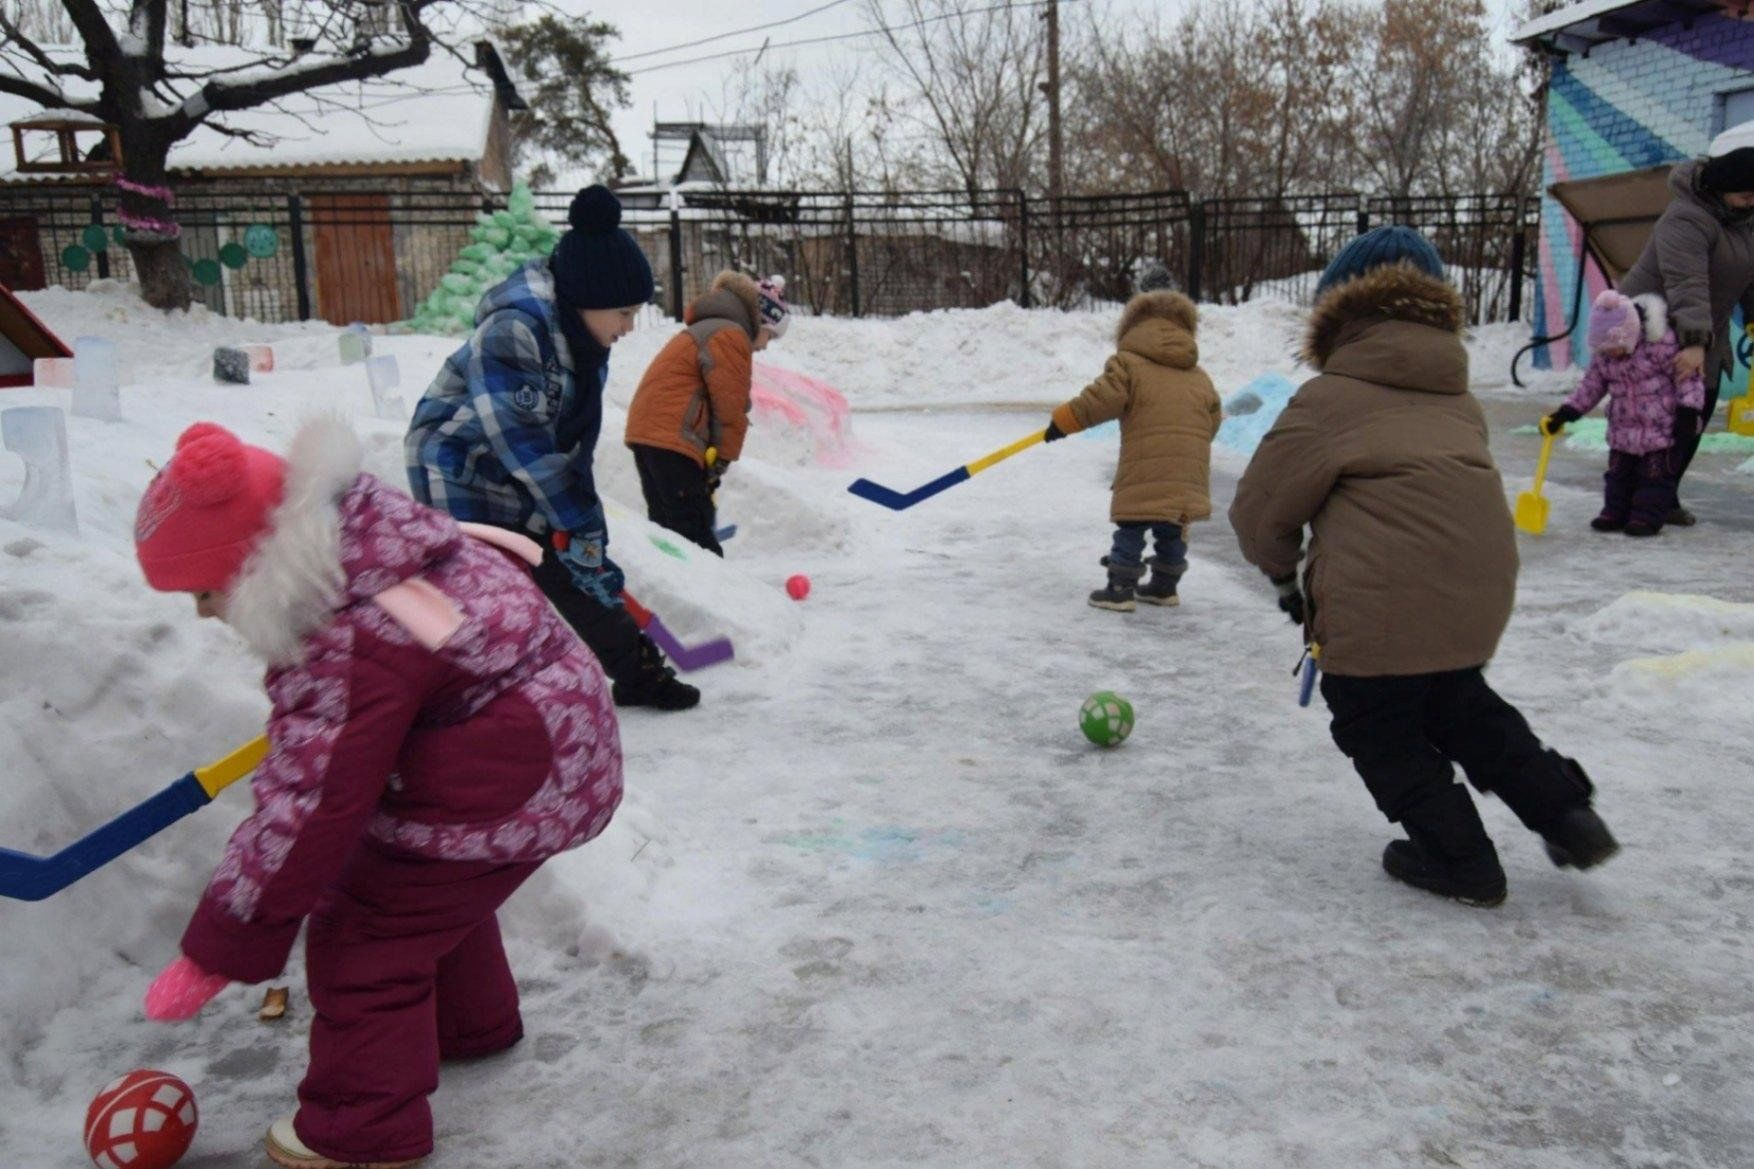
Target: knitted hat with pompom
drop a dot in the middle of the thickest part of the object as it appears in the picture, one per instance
(597, 265)
(206, 511)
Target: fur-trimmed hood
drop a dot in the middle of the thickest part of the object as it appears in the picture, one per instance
(1653, 310)
(734, 297)
(1396, 326)
(338, 536)
(1160, 326)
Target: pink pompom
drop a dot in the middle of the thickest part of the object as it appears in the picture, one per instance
(209, 465)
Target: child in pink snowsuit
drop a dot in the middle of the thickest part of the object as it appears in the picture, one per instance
(436, 733)
(1650, 412)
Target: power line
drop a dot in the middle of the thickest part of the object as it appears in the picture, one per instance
(737, 33)
(847, 36)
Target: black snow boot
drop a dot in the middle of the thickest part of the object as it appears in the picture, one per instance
(654, 683)
(1160, 589)
(1578, 839)
(1447, 851)
(1122, 580)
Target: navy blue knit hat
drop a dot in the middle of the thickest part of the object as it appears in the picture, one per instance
(596, 264)
(1378, 247)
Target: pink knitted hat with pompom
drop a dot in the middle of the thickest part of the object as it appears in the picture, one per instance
(206, 511)
(1614, 323)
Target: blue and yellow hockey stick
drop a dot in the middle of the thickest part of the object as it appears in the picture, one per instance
(24, 877)
(897, 500)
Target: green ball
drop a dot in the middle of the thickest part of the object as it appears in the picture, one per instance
(1106, 718)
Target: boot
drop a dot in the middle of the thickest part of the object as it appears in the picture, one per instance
(1578, 839)
(1447, 851)
(1160, 589)
(1608, 523)
(1642, 528)
(1681, 517)
(284, 1148)
(1122, 579)
(654, 683)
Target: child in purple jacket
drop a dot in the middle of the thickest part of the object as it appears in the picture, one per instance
(436, 733)
(1651, 412)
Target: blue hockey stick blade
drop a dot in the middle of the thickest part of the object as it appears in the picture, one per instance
(725, 533)
(895, 500)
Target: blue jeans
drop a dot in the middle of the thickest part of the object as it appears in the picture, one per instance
(1129, 546)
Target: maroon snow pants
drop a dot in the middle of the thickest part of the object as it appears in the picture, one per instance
(405, 968)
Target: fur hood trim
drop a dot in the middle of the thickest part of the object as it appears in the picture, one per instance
(1173, 307)
(294, 579)
(1396, 292)
(1653, 310)
(745, 290)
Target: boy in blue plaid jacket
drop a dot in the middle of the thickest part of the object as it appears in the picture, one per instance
(506, 433)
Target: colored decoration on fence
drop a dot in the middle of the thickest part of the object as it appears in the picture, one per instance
(261, 241)
(75, 258)
(119, 234)
(95, 238)
(500, 243)
(146, 190)
(233, 256)
(207, 273)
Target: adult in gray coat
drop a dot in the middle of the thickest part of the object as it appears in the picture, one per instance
(1700, 259)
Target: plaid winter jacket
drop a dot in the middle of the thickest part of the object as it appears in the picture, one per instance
(506, 432)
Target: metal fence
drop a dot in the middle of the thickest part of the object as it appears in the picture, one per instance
(374, 255)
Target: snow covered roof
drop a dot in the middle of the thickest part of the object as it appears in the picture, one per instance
(1591, 22)
(438, 111)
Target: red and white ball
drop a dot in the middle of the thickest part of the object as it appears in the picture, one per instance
(145, 1120)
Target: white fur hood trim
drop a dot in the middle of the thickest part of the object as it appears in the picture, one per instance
(293, 581)
(1655, 311)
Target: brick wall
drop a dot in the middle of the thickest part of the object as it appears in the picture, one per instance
(1627, 105)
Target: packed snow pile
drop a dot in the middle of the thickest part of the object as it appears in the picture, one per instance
(1668, 622)
(1697, 658)
(1251, 412)
(1703, 684)
(499, 244)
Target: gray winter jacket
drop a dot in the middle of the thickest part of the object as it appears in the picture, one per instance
(1700, 259)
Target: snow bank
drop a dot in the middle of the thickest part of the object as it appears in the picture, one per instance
(1668, 622)
(1700, 684)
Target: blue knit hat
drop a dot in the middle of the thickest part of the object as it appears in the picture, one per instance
(596, 264)
(1378, 247)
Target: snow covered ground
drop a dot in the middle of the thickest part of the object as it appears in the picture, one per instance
(876, 902)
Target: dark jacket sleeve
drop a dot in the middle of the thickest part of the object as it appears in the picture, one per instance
(1683, 247)
(336, 729)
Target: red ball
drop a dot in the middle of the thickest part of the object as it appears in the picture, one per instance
(145, 1120)
(798, 587)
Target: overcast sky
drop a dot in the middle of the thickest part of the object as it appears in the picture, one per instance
(697, 91)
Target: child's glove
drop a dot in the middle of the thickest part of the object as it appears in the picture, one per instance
(181, 990)
(593, 572)
(1689, 423)
(1559, 419)
(1054, 434)
(1290, 598)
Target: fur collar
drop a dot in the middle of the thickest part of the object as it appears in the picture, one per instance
(293, 581)
(746, 294)
(1653, 310)
(1173, 307)
(1396, 292)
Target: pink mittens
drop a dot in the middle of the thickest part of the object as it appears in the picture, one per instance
(180, 991)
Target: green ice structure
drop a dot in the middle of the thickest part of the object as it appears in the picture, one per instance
(500, 243)
(1591, 434)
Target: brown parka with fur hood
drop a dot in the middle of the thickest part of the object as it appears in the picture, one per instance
(1167, 408)
(1413, 560)
(695, 394)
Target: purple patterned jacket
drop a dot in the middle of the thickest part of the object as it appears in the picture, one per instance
(500, 744)
(1642, 391)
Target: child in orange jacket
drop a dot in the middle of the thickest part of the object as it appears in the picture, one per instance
(690, 413)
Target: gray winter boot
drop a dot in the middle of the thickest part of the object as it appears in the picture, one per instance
(1160, 589)
(1122, 579)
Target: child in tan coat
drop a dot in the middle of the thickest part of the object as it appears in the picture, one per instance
(1169, 414)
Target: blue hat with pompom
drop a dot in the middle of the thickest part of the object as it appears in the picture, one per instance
(596, 264)
(1378, 248)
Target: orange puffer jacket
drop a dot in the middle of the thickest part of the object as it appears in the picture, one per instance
(695, 394)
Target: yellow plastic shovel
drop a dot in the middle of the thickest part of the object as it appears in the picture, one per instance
(1531, 506)
(1742, 415)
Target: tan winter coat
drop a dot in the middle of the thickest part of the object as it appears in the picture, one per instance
(1168, 409)
(1413, 562)
(696, 392)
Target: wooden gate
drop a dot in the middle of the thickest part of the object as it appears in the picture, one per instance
(356, 259)
(21, 254)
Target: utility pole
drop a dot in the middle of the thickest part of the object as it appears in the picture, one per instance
(1056, 172)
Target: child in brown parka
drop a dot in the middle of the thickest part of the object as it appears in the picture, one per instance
(1169, 414)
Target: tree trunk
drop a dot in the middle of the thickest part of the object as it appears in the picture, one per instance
(156, 252)
(164, 278)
